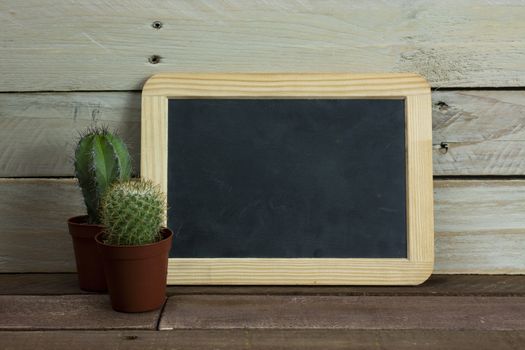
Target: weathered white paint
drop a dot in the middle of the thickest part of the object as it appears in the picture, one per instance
(480, 225)
(104, 45)
(484, 130)
(95, 45)
(38, 132)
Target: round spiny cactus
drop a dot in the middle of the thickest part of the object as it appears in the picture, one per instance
(133, 213)
(101, 158)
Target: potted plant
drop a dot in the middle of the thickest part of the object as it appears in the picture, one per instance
(101, 158)
(134, 245)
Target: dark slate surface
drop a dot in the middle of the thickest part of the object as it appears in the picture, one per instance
(287, 178)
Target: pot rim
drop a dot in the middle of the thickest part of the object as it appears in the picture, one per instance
(167, 234)
(81, 220)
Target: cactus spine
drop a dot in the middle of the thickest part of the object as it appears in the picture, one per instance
(101, 158)
(133, 213)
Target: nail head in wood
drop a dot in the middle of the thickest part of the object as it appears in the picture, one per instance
(154, 59)
(157, 25)
(443, 147)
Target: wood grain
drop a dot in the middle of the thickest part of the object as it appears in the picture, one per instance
(485, 132)
(154, 140)
(265, 339)
(348, 312)
(99, 45)
(36, 312)
(478, 225)
(33, 228)
(39, 284)
(419, 184)
(300, 271)
(285, 85)
(436, 285)
(37, 130)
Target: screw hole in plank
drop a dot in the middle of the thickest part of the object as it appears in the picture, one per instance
(157, 25)
(154, 59)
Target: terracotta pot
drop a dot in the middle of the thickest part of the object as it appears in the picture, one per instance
(136, 275)
(89, 262)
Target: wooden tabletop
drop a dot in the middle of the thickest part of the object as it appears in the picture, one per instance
(448, 311)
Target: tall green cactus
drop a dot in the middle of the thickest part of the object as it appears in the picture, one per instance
(101, 158)
(133, 213)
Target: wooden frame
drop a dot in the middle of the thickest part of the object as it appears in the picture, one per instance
(314, 271)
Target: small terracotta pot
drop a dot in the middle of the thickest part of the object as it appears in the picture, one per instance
(89, 262)
(136, 275)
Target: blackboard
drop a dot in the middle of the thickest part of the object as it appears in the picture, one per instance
(292, 178)
(273, 178)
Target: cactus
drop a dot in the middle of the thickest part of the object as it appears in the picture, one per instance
(133, 213)
(101, 158)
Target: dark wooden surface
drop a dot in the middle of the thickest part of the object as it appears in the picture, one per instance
(41, 311)
(343, 312)
(68, 312)
(266, 339)
(449, 285)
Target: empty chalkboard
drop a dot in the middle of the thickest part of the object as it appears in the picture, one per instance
(270, 178)
(298, 178)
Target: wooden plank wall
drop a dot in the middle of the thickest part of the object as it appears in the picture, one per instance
(66, 65)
